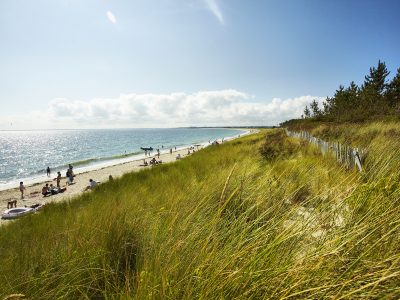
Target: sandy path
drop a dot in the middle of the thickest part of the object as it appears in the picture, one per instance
(81, 181)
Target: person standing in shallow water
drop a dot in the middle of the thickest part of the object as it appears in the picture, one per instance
(48, 172)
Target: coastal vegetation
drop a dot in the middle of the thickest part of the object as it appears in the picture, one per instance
(376, 99)
(263, 216)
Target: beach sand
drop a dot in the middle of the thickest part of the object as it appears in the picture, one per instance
(33, 192)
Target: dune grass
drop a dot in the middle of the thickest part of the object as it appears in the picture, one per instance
(228, 222)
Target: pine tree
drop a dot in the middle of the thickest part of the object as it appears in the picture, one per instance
(376, 80)
(375, 98)
(372, 91)
(327, 104)
(339, 102)
(316, 112)
(393, 91)
(307, 113)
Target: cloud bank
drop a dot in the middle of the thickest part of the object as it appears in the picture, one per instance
(205, 108)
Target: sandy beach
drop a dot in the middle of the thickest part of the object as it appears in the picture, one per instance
(81, 180)
(33, 192)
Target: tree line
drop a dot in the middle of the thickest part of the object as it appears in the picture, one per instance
(375, 98)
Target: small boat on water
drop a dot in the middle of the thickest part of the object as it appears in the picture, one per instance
(17, 212)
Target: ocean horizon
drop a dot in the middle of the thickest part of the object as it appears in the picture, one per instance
(25, 154)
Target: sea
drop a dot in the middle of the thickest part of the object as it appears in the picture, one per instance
(25, 155)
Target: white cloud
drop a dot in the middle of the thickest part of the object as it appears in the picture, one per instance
(205, 108)
(111, 17)
(214, 8)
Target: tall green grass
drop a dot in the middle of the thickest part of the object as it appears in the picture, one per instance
(227, 222)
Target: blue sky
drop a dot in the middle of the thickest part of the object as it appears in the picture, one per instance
(70, 63)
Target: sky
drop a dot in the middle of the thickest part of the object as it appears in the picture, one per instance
(173, 63)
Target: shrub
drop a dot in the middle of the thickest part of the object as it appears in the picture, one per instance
(278, 145)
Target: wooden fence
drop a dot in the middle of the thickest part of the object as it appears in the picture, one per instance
(346, 155)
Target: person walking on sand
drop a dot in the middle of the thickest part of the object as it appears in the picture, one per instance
(48, 172)
(22, 189)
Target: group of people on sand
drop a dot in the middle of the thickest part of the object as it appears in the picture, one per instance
(13, 202)
(152, 162)
(69, 175)
(48, 190)
(191, 149)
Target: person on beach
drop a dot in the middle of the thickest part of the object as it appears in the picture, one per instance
(158, 153)
(22, 189)
(53, 190)
(70, 177)
(110, 178)
(48, 171)
(178, 156)
(71, 170)
(92, 185)
(170, 151)
(46, 191)
(58, 179)
(11, 203)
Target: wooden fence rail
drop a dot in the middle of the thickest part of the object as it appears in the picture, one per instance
(346, 155)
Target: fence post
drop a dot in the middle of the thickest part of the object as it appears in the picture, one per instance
(345, 154)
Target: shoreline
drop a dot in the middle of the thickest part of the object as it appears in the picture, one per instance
(99, 163)
(33, 190)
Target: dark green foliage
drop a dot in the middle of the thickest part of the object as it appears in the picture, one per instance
(278, 145)
(375, 99)
(376, 80)
(307, 113)
(393, 92)
(315, 109)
